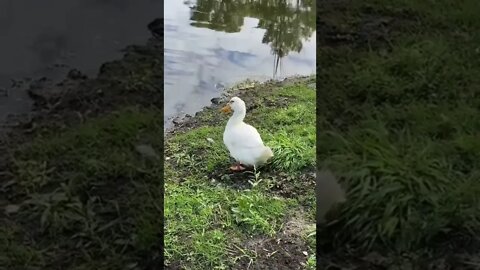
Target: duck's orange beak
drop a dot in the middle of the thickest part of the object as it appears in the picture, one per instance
(226, 109)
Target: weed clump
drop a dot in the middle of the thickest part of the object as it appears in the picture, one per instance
(401, 132)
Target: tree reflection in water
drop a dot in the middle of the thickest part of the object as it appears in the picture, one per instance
(287, 23)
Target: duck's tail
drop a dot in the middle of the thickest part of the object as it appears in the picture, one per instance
(266, 155)
(330, 193)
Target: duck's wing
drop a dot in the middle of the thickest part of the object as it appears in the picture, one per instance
(247, 136)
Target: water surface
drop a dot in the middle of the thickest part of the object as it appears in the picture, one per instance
(210, 44)
(49, 37)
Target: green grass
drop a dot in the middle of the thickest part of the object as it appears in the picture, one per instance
(203, 221)
(89, 200)
(208, 218)
(400, 126)
(292, 154)
(87, 194)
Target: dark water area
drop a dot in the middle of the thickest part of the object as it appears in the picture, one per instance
(48, 38)
(211, 44)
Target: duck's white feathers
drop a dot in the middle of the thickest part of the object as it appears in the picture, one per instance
(245, 145)
(243, 135)
(243, 140)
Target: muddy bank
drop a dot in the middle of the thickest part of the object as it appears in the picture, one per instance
(136, 79)
(48, 41)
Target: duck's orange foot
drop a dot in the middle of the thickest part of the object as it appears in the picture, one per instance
(237, 168)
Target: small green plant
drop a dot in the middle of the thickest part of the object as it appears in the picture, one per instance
(185, 160)
(311, 262)
(301, 114)
(258, 213)
(33, 175)
(291, 153)
(195, 144)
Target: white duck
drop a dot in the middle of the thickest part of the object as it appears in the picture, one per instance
(242, 140)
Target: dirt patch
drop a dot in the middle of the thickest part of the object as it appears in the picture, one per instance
(280, 184)
(278, 253)
(285, 251)
(173, 266)
(297, 225)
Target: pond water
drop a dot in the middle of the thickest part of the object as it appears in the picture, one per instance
(49, 37)
(211, 44)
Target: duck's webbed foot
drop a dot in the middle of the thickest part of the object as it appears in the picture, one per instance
(237, 168)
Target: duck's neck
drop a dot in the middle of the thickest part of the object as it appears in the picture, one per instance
(237, 117)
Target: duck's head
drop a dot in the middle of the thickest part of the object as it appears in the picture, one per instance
(235, 104)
